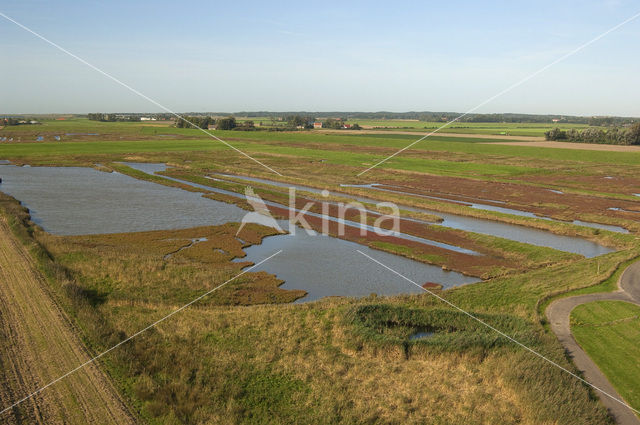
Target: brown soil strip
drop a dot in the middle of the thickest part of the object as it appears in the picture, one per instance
(39, 345)
(422, 132)
(538, 200)
(569, 145)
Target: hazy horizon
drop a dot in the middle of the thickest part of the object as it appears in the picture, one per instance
(317, 113)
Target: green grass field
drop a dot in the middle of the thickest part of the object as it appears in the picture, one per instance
(246, 140)
(609, 331)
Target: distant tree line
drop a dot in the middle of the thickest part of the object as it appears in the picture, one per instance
(241, 126)
(610, 121)
(227, 123)
(612, 136)
(11, 121)
(339, 124)
(332, 123)
(99, 116)
(17, 121)
(296, 121)
(291, 117)
(188, 121)
(433, 116)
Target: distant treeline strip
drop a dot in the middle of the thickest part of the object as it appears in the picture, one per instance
(99, 116)
(611, 136)
(429, 116)
(228, 123)
(426, 116)
(17, 121)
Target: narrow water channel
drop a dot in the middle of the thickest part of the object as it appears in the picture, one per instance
(489, 227)
(154, 168)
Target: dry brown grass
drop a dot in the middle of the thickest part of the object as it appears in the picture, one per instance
(312, 378)
(155, 266)
(569, 145)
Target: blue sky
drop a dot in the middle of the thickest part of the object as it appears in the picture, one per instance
(396, 56)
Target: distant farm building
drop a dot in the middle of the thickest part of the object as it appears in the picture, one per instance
(346, 126)
(317, 125)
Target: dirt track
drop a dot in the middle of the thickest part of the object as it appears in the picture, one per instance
(558, 314)
(569, 145)
(421, 133)
(38, 345)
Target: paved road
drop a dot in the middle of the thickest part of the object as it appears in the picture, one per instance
(37, 345)
(558, 314)
(630, 281)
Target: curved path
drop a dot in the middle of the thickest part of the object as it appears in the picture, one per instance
(558, 313)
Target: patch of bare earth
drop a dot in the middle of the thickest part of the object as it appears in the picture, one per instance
(539, 200)
(38, 345)
(438, 134)
(569, 145)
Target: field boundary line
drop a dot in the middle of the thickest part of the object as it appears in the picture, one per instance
(515, 341)
(131, 89)
(508, 89)
(152, 325)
